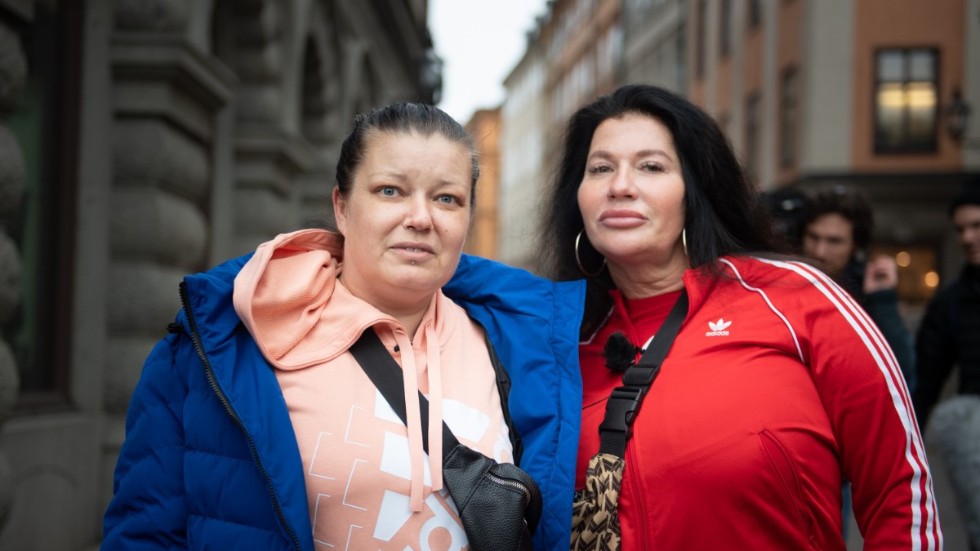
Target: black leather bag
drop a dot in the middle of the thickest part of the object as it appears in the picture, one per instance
(499, 504)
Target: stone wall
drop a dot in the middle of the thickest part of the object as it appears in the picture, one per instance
(205, 127)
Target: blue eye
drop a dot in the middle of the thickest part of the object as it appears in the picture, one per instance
(388, 191)
(447, 199)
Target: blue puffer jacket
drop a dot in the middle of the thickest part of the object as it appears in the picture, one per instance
(210, 460)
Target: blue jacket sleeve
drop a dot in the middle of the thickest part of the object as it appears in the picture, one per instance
(534, 324)
(148, 509)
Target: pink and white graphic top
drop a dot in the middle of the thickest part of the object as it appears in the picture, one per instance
(369, 484)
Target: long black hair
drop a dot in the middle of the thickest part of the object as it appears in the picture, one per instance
(724, 214)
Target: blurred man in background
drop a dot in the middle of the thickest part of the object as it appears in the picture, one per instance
(837, 226)
(950, 335)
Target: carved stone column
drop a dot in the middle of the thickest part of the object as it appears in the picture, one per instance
(269, 151)
(168, 102)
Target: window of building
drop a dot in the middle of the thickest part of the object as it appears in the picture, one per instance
(906, 100)
(788, 117)
(639, 8)
(725, 28)
(681, 61)
(752, 129)
(755, 13)
(609, 51)
(700, 39)
(44, 124)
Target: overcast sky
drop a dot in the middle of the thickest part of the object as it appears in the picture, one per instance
(480, 42)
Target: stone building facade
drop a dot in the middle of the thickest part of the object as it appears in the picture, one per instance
(141, 140)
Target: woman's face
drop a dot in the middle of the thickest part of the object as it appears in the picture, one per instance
(632, 194)
(405, 218)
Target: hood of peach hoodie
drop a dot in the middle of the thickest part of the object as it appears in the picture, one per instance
(289, 297)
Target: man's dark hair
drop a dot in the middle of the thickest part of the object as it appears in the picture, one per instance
(852, 204)
(968, 195)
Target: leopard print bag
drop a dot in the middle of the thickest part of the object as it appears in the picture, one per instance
(595, 519)
(595, 512)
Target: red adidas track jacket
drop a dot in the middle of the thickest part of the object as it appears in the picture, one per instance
(777, 389)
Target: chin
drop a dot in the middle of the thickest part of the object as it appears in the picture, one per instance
(415, 278)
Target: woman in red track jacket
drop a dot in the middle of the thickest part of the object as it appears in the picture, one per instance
(778, 386)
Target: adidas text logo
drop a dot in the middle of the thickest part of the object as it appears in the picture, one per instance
(718, 328)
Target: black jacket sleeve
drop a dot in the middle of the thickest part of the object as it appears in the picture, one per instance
(883, 308)
(935, 349)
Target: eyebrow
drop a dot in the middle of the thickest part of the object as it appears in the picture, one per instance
(639, 154)
(389, 173)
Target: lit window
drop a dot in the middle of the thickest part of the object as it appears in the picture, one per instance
(906, 100)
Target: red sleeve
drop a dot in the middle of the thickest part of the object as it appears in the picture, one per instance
(863, 391)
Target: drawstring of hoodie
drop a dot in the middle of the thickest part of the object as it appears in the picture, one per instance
(434, 373)
(414, 417)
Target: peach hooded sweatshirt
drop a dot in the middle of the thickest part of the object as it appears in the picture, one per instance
(368, 479)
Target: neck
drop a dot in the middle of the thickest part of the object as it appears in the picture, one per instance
(410, 322)
(407, 313)
(648, 280)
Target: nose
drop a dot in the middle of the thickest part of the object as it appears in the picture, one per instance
(418, 217)
(622, 184)
(969, 234)
(819, 250)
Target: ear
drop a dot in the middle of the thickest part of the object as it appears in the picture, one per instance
(340, 211)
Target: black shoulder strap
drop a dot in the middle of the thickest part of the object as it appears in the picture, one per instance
(625, 401)
(503, 391)
(385, 373)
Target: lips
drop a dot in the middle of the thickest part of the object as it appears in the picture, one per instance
(413, 252)
(621, 218)
(413, 247)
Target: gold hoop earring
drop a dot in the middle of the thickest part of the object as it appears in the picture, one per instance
(578, 259)
(684, 240)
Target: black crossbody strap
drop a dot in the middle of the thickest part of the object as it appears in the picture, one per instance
(386, 374)
(624, 402)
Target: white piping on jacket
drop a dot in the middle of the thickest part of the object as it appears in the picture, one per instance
(888, 365)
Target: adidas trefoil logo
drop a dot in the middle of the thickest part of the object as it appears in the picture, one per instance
(718, 328)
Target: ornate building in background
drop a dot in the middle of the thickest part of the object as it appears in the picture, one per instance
(141, 140)
(815, 93)
(875, 94)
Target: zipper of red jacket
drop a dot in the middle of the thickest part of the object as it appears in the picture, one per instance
(212, 380)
